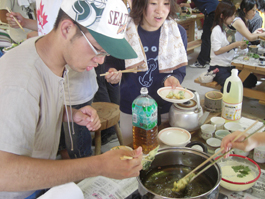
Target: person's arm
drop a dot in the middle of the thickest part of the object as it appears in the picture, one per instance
(240, 26)
(258, 139)
(25, 23)
(240, 44)
(21, 173)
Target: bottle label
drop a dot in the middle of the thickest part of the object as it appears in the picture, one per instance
(231, 111)
(144, 117)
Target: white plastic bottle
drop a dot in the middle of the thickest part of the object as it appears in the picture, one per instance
(232, 97)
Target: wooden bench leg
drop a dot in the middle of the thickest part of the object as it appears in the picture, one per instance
(118, 131)
(97, 142)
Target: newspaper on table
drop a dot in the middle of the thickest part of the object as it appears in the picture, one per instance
(104, 188)
(255, 192)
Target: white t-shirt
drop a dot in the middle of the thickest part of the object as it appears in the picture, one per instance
(219, 40)
(17, 34)
(31, 104)
(82, 86)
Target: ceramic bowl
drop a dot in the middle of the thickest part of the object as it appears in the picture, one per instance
(213, 142)
(231, 179)
(220, 134)
(173, 136)
(233, 126)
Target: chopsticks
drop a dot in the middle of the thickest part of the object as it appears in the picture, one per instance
(15, 20)
(224, 153)
(133, 70)
(207, 160)
(227, 151)
(125, 157)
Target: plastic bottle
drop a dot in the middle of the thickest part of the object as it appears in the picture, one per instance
(144, 121)
(232, 97)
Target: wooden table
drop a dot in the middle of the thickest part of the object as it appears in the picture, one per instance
(189, 25)
(246, 70)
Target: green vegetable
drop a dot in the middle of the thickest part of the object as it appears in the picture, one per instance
(246, 41)
(256, 56)
(242, 170)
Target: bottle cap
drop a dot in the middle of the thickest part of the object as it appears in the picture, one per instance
(144, 91)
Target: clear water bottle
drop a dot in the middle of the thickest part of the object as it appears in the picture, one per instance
(232, 97)
(144, 122)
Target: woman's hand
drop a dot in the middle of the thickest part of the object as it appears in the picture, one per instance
(114, 76)
(172, 81)
(11, 21)
(241, 44)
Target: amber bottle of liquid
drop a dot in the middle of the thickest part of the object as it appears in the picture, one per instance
(144, 120)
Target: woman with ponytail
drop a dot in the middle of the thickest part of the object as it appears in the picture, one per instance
(245, 13)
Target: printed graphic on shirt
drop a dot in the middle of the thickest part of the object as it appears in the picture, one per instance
(42, 17)
(147, 79)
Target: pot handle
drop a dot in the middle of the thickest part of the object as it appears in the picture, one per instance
(205, 150)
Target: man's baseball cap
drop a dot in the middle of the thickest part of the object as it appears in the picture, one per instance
(106, 21)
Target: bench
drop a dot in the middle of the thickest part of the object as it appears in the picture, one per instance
(192, 45)
(212, 84)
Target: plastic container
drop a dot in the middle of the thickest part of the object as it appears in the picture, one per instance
(144, 122)
(232, 97)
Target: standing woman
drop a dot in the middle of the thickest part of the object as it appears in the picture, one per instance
(245, 13)
(160, 44)
(223, 45)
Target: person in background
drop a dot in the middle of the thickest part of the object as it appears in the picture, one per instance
(162, 57)
(22, 8)
(32, 101)
(207, 7)
(223, 45)
(256, 140)
(245, 13)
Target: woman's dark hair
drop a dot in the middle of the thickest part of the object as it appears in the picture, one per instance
(245, 6)
(261, 5)
(140, 6)
(226, 9)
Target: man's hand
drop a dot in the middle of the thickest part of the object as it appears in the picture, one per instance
(116, 168)
(114, 76)
(173, 82)
(87, 116)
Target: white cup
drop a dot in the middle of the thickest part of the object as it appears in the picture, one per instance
(207, 131)
(259, 154)
(218, 121)
(233, 126)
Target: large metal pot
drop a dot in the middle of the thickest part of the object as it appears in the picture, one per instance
(187, 157)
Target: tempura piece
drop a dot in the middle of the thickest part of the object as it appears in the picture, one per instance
(182, 183)
(179, 95)
(170, 95)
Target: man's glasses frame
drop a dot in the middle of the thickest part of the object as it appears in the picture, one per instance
(98, 53)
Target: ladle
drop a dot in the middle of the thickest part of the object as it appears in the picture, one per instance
(182, 183)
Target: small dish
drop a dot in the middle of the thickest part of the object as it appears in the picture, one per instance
(213, 142)
(220, 134)
(173, 136)
(233, 126)
(164, 91)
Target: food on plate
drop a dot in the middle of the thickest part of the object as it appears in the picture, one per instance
(12, 46)
(176, 95)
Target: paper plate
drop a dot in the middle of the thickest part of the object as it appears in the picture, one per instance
(164, 91)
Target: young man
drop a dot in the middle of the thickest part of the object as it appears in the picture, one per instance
(32, 98)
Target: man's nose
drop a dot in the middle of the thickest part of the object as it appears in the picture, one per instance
(99, 60)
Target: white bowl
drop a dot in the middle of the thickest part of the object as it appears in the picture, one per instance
(164, 91)
(233, 126)
(174, 136)
(230, 179)
(220, 134)
(213, 142)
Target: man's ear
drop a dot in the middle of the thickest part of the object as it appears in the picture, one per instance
(221, 15)
(67, 28)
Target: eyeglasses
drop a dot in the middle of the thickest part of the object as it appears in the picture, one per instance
(98, 53)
